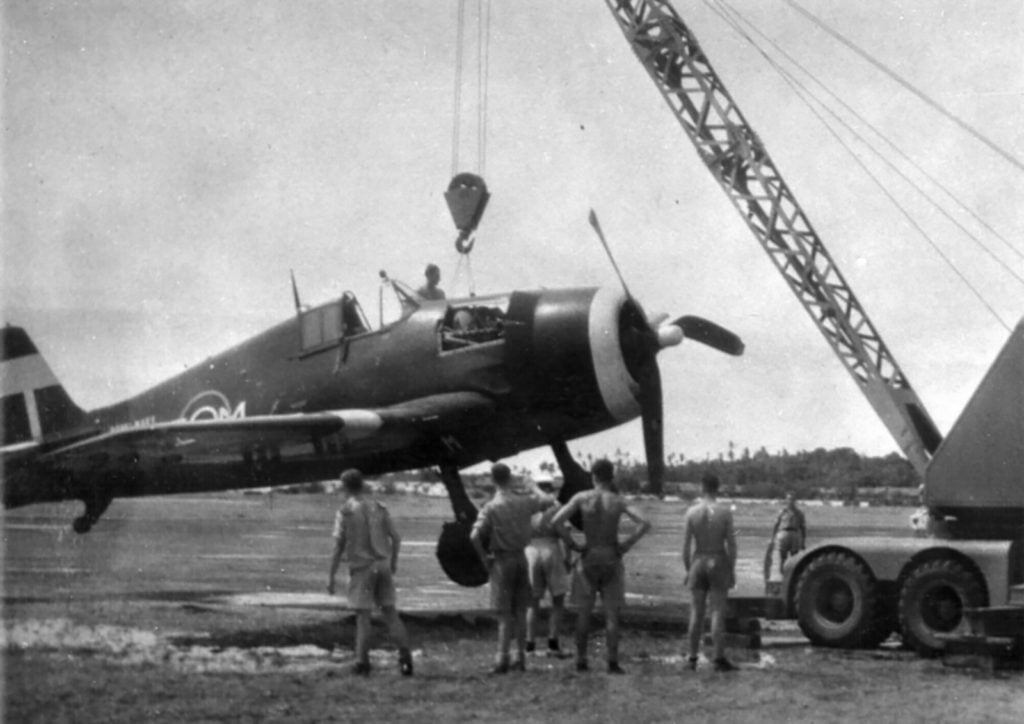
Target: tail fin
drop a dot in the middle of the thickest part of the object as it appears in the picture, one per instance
(35, 405)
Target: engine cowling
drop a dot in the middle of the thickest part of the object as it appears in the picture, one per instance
(577, 353)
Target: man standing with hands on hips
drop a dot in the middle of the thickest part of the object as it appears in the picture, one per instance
(601, 510)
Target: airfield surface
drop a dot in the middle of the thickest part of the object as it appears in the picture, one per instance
(215, 608)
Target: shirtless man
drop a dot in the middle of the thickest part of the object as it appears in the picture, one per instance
(709, 556)
(601, 564)
(431, 291)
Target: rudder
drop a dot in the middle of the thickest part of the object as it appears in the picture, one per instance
(35, 404)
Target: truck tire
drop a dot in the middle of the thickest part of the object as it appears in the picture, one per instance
(838, 603)
(932, 600)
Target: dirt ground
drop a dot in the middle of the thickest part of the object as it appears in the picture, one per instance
(212, 609)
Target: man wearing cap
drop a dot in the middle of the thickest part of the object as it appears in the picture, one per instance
(790, 532)
(430, 291)
(709, 557)
(546, 561)
(601, 510)
(365, 535)
(504, 522)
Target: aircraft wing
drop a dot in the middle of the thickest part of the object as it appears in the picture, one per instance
(184, 441)
(441, 413)
(189, 436)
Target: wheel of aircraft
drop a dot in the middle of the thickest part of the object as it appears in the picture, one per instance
(456, 555)
(81, 524)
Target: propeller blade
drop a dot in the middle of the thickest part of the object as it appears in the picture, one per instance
(709, 333)
(655, 320)
(651, 415)
(600, 235)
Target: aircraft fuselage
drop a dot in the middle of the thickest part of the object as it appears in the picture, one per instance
(551, 365)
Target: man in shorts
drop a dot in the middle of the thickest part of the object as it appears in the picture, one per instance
(601, 509)
(504, 522)
(709, 556)
(546, 562)
(365, 535)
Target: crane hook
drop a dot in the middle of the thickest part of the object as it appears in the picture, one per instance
(467, 198)
(463, 244)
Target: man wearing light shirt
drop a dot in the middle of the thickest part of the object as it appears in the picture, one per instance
(504, 522)
(365, 535)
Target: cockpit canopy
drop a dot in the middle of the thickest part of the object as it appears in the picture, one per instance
(466, 323)
(325, 325)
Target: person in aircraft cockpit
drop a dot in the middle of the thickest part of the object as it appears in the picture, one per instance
(430, 291)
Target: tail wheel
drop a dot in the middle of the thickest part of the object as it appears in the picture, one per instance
(81, 524)
(95, 505)
(932, 602)
(839, 604)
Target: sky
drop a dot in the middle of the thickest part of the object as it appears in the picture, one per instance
(165, 165)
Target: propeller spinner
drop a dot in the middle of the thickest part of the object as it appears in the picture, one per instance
(641, 339)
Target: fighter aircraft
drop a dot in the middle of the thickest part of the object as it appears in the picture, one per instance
(449, 384)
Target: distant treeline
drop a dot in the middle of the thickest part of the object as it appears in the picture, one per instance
(818, 473)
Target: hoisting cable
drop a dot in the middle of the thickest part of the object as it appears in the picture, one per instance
(457, 101)
(906, 84)
(800, 92)
(467, 193)
(483, 73)
(803, 94)
(931, 200)
(464, 260)
(896, 149)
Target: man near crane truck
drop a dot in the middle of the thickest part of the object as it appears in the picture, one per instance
(789, 536)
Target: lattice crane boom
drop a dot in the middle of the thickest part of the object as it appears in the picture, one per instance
(734, 154)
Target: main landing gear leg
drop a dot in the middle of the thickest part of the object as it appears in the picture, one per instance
(455, 553)
(95, 505)
(574, 478)
(462, 506)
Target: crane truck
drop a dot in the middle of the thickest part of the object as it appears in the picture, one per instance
(964, 582)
